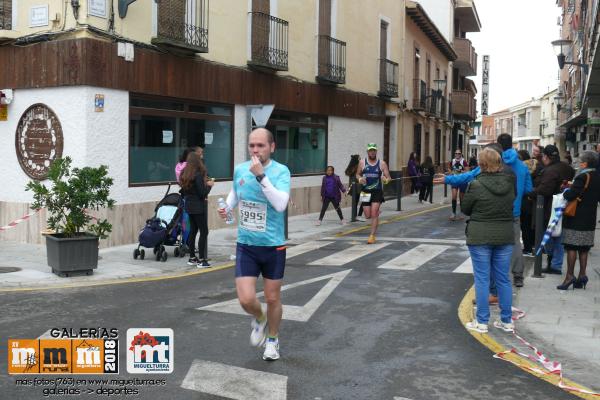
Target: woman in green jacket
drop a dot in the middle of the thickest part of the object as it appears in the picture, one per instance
(489, 203)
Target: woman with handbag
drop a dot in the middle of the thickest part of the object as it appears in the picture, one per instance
(579, 219)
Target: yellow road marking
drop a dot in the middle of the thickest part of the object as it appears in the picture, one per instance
(120, 281)
(465, 314)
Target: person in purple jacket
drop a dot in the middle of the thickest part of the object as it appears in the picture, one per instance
(331, 192)
(413, 172)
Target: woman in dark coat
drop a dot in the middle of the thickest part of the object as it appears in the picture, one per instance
(578, 231)
(195, 187)
(427, 172)
(351, 174)
(490, 239)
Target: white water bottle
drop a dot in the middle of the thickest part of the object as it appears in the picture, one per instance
(223, 206)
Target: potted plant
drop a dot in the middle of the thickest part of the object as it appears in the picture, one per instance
(73, 245)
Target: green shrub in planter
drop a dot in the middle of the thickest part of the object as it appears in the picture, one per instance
(73, 193)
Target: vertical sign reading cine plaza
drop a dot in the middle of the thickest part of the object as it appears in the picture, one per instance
(485, 85)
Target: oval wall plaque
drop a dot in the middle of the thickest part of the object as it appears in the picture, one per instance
(39, 140)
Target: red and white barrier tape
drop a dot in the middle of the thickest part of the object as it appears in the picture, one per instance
(18, 221)
(550, 367)
(31, 214)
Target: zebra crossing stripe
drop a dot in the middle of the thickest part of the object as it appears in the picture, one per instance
(350, 254)
(465, 268)
(304, 248)
(227, 381)
(414, 258)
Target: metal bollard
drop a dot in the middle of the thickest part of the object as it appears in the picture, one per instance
(285, 220)
(354, 194)
(539, 234)
(399, 192)
(445, 190)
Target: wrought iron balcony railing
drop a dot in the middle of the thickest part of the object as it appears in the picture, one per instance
(332, 60)
(269, 42)
(388, 78)
(419, 94)
(183, 24)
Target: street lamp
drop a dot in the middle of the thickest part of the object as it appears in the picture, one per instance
(560, 46)
(435, 96)
(441, 86)
(559, 99)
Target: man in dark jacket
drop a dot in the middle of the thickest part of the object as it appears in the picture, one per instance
(548, 183)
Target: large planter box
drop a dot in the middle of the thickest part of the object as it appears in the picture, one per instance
(72, 254)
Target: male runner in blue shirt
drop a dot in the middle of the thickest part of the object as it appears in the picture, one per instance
(261, 190)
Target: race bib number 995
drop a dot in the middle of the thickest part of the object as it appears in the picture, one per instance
(253, 216)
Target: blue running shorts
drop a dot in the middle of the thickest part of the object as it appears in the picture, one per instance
(256, 260)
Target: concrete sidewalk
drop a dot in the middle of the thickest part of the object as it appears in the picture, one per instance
(563, 325)
(117, 263)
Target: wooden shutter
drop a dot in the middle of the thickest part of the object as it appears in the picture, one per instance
(260, 29)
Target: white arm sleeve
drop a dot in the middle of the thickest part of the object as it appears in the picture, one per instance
(277, 198)
(232, 199)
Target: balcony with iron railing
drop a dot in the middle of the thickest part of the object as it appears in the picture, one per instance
(332, 60)
(463, 105)
(269, 42)
(183, 25)
(467, 57)
(388, 78)
(419, 95)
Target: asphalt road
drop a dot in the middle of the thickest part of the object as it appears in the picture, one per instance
(379, 334)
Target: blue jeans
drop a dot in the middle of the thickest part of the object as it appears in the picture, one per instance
(492, 261)
(555, 249)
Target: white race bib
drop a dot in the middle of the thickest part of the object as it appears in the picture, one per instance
(365, 197)
(253, 216)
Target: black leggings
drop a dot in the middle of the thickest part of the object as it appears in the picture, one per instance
(425, 192)
(336, 205)
(413, 185)
(198, 222)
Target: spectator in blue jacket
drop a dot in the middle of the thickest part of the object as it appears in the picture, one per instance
(510, 157)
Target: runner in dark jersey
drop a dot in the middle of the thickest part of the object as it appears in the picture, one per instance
(372, 174)
(458, 165)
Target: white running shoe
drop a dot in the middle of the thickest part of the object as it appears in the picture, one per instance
(476, 326)
(271, 350)
(318, 222)
(258, 336)
(505, 326)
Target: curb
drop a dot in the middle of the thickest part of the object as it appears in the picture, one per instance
(465, 314)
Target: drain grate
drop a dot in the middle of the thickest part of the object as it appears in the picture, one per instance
(6, 270)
